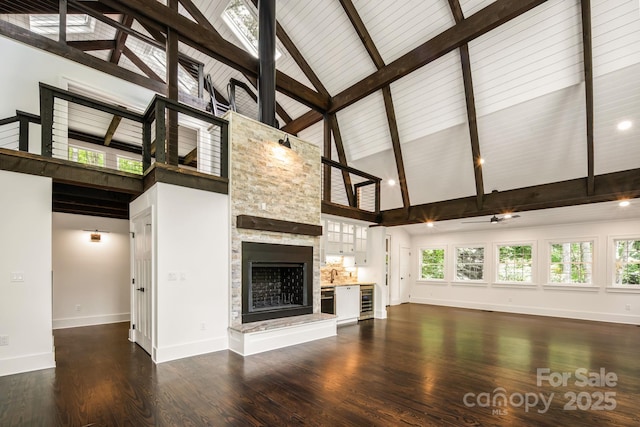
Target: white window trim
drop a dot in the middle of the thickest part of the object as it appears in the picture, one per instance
(90, 149)
(499, 283)
(445, 266)
(611, 261)
(454, 252)
(547, 263)
(120, 156)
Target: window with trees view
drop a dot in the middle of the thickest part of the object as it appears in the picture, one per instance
(86, 156)
(515, 263)
(126, 164)
(432, 264)
(470, 263)
(627, 262)
(571, 262)
(242, 20)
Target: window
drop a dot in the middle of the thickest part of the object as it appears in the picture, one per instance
(243, 22)
(48, 24)
(627, 262)
(470, 263)
(126, 164)
(86, 156)
(432, 264)
(571, 262)
(515, 263)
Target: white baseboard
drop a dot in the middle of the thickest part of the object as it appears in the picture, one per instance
(28, 363)
(194, 348)
(535, 311)
(380, 314)
(250, 343)
(75, 322)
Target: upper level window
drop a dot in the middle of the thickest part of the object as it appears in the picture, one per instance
(49, 24)
(244, 23)
(126, 164)
(571, 262)
(627, 262)
(515, 263)
(86, 156)
(432, 264)
(470, 263)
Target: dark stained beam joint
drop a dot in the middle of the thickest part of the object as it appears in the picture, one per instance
(121, 39)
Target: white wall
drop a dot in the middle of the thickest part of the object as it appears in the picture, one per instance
(191, 230)
(25, 248)
(599, 303)
(374, 272)
(93, 276)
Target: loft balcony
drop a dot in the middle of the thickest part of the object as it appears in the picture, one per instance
(101, 156)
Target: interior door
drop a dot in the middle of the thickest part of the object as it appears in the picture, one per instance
(142, 282)
(405, 274)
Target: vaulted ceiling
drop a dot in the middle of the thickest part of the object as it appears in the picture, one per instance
(422, 90)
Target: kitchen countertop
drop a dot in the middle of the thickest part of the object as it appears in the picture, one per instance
(330, 285)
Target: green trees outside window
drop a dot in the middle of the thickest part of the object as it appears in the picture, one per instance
(627, 262)
(571, 262)
(470, 263)
(86, 156)
(129, 165)
(432, 264)
(515, 263)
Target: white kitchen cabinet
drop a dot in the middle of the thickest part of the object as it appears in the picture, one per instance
(347, 303)
(345, 238)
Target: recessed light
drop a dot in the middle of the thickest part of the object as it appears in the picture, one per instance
(391, 182)
(624, 203)
(430, 224)
(507, 216)
(481, 161)
(625, 125)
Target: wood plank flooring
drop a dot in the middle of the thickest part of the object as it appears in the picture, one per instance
(415, 368)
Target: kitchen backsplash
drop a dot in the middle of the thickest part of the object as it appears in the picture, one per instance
(341, 275)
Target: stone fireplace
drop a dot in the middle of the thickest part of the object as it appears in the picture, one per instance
(277, 281)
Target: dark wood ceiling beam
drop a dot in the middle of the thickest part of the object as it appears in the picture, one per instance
(25, 36)
(51, 7)
(342, 159)
(395, 142)
(470, 28)
(196, 14)
(121, 39)
(191, 156)
(587, 50)
(375, 56)
(141, 64)
(212, 44)
(89, 45)
(473, 123)
(608, 187)
(476, 157)
(303, 122)
(111, 130)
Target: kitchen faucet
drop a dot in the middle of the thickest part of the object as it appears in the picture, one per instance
(332, 276)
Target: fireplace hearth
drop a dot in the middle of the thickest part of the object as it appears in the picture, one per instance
(277, 281)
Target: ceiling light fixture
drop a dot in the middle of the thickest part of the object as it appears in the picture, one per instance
(391, 182)
(430, 224)
(624, 203)
(507, 216)
(625, 125)
(481, 161)
(285, 142)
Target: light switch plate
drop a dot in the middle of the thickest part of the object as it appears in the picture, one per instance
(17, 276)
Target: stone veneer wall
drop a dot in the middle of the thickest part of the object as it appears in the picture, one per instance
(271, 181)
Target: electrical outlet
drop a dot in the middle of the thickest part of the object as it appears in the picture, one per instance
(627, 307)
(203, 326)
(4, 340)
(173, 277)
(78, 307)
(17, 276)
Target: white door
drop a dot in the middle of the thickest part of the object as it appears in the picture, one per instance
(142, 282)
(405, 274)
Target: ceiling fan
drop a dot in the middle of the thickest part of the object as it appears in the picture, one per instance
(494, 219)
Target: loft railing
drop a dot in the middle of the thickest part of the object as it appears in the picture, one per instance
(103, 134)
(350, 187)
(14, 131)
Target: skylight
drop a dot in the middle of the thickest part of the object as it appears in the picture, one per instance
(243, 22)
(48, 24)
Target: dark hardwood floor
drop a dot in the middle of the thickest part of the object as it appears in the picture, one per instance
(418, 367)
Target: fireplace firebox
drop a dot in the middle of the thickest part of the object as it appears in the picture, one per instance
(277, 281)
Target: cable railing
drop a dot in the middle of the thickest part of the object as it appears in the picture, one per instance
(350, 187)
(14, 131)
(78, 128)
